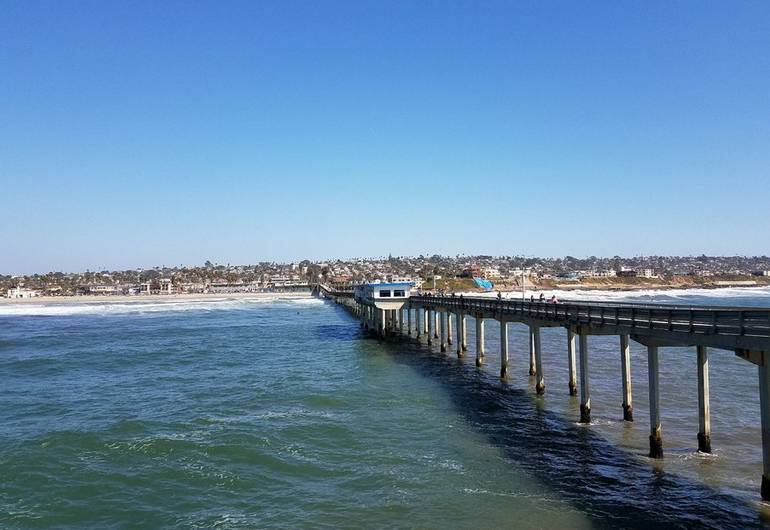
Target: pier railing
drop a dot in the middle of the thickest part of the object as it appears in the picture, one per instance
(732, 328)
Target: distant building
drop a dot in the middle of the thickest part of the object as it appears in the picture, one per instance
(604, 273)
(102, 289)
(21, 292)
(166, 286)
(646, 273)
(626, 273)
(761, 273)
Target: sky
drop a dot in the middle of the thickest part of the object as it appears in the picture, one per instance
(136, 134)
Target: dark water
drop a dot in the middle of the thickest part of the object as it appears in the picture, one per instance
(243, 414)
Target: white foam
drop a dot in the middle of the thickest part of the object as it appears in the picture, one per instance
(116, 308)
(754, 295)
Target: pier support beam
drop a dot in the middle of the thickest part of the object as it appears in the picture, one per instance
(571, 362)
(409, 321)
(503, 349)
(449, 328)
(656, 440)
(460, 338)
(540, 384)
(430, 325)
(418, 321)
(704, 406)
(585, 389)
(532, 363)
(625, 367)
(435, 323)
(442, 338)
(381, 322)
(401, 320)
(764, 407)
(479, 339)
(463, 326)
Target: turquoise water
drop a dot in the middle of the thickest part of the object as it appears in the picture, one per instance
(244, 414)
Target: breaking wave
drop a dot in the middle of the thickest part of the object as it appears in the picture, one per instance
(72, 308)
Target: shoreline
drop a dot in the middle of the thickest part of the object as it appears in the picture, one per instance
(158, 297)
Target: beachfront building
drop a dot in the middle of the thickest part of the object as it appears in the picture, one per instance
(166, 286)
(102, 289)
(21, 292)
(602, 273)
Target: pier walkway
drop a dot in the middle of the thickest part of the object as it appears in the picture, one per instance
(745, 331)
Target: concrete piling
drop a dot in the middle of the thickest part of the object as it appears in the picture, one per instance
(430, 325)
(540, 381)
(704, 406)
(625, 365)
(571, 362)
(585, 389)
(656, 440)
(503, 349)
(442, 334)
(409, 321)
(764, 407)
(460, 338)
(479, 339)
(532, 363)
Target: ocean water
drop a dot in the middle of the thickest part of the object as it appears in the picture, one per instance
(281, 414)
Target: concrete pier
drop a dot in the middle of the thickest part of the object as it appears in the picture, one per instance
(540, 381)
(585, 389)
(743, 331)
(625, 368)
(479, 339)
(442, 334)
(656, 440)
(704, 406)
(503, 349)
(532, 363)
(571, 362)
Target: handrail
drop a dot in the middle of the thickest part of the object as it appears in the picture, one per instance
(714, 320)
(605, 303)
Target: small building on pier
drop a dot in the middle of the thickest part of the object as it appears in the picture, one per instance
(390, 295)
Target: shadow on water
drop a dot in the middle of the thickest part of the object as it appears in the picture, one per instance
(612, 487)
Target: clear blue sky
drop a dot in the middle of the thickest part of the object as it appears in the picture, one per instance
(150, 133)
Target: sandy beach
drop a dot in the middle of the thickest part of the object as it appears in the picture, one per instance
(156, 297)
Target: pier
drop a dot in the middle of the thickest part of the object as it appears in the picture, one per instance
(744, 331)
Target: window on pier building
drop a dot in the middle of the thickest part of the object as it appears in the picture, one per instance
(399, 292)
(385, 294)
